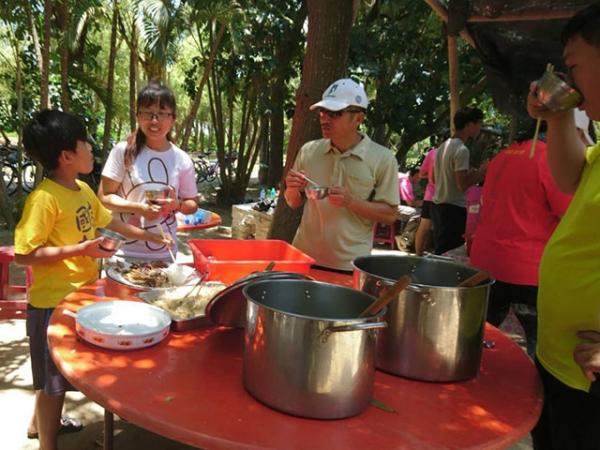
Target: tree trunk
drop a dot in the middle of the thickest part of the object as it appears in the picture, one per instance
(35, 38)
(45, 75)
(380, 135)
(64, 56)
(264, 170)
(284, 55)
(189, 120)
(133, 74)
(329, 25)
(111, 81)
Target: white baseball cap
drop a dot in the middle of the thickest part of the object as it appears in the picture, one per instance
(341, 94)
(582, 121)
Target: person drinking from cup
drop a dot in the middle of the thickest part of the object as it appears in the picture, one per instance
(147, 163)
(362, 177)
(568, 349)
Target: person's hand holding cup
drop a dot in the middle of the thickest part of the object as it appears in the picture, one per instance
(153, 206)
(168, 201)
(295, 180)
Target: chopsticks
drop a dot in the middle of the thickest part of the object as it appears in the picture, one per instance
(164, 236)
(305, 177)
(549, 68)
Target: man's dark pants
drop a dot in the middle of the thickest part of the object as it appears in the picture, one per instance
(502, 295)
(570, 418)
(449, 222)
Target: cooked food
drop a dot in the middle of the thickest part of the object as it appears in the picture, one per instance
(193, 305)
(148, 274)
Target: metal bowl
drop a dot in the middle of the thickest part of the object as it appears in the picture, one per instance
(316, 192)
(111, 239)
(555, 93)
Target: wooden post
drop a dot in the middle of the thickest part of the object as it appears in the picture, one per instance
(453, 79)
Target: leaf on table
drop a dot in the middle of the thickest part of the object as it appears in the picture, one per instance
(169, 398)
(382, 406)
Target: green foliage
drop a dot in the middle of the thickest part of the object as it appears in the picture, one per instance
(399, 51)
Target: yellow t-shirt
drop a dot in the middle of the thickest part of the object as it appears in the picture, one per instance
(569, 289)
(55, 216)
(335, 236)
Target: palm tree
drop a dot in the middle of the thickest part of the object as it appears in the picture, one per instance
(160, 24)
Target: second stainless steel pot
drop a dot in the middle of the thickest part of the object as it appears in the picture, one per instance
(435, 329)
(305, 351)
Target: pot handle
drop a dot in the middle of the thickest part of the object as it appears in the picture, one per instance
(354, 327)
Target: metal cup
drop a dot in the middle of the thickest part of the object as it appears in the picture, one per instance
(111, 240)
(152, 195)
(555, 93)
(316, 192)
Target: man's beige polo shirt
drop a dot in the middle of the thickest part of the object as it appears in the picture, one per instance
(333, 235)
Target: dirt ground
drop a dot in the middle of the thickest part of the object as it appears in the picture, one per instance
(16, 396)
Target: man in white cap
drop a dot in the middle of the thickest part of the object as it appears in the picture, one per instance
(361, 177)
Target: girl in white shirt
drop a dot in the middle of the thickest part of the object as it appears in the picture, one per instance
(149, 160)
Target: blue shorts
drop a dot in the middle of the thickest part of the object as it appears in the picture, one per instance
(46, 376)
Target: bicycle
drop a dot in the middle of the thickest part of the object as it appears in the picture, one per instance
(209, 170)
(8, 161)
(206, 170)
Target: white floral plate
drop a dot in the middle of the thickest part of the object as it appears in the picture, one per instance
(122, 324)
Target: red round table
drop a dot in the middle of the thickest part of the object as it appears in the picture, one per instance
(189, 388)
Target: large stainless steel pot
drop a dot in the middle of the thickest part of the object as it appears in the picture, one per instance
(435, 329)
(305, 351)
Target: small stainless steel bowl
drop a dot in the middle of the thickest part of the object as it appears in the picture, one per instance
(156, 194)
(111, 240)
(316, 193)
(555, 93)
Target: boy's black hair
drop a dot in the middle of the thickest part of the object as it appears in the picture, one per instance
(586, 23)
(413, 171)
(467, 115)
(49, 133)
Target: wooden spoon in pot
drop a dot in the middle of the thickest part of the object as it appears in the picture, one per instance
(386, 296)
(474, 280)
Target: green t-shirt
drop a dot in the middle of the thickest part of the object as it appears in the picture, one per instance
(569, 289)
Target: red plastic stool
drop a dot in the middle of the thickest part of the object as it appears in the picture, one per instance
(385, 234)
(12, 308)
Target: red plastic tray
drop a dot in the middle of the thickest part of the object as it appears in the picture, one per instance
(227, 260)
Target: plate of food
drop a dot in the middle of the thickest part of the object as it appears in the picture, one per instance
(148, 275)
(186, 305)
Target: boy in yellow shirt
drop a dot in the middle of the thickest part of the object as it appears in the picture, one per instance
(56, 237)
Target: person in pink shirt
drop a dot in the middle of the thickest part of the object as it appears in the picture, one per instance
(520, 208)
(405, 184)
(425, 222)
